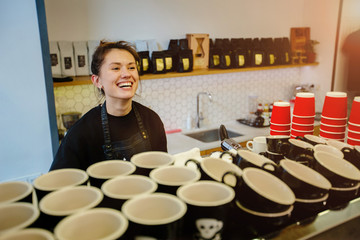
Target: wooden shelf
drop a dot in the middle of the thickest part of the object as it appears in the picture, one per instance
(83, 80)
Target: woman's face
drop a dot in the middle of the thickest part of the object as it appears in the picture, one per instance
(118, 75)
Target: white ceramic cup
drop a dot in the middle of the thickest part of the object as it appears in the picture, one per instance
(257, 145)
(97, 223)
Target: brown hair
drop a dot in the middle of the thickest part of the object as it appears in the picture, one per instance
(104, 47)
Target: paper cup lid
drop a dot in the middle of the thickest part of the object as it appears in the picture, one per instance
(282, 104)
(336, 94)
(305, 94)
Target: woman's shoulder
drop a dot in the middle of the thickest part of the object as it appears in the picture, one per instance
(89, 120)
(144, 110)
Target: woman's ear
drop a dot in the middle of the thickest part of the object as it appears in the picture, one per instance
(96, 81)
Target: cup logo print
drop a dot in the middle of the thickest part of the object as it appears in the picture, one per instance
(209, 229)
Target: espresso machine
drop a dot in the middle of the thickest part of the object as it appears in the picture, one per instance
(69, 119)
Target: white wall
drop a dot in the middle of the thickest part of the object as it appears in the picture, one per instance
(164, 19)
(321, 16)
(25, 138)
(350, 22)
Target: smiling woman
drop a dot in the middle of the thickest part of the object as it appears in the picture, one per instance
(118, 128)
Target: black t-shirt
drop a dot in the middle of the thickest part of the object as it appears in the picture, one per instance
(82, 145)
(351, 48)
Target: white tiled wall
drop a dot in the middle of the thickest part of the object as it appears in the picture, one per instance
(175, 98)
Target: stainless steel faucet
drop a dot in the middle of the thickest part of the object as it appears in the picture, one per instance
(199, 115)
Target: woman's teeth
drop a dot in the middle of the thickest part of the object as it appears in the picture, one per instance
(125, 85)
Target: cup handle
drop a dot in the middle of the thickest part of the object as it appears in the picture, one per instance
(224, 153)
(300, 138)
(284, 147)
(276, 167)
(309, 151)
(231, 173)
(308, 159)
(250, 145)
(346, 150)
(194, 161)
(263, 154)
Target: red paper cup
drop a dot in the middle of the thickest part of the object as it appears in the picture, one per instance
(332, 128)
(354, 127)
(284, 127)
(275, 132)
(353, 141)
(335, 105)
(302, 127)
(355, 111)
(303, 120)
(304, 104)
(281, 113)
(333, 121)
(300, 132)
(354, 134)
(332, 135)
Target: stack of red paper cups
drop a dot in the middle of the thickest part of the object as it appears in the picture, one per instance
(353, 136)
(280, 119)
(334, 116)
(303, 114)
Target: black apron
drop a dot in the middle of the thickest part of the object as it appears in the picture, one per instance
(124, 149)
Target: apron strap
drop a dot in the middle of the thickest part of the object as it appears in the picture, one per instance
(140, 123)
(105, 124)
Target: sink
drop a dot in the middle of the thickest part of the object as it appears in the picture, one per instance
(211, 135)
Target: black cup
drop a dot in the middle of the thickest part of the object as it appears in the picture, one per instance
(247, 159)
(339, 198)
(170, 178)
(306, 183)
(155, 215)
(261, 191)
(209, 205)
(64, 202)
(102, 171)
(305, 211)
(119, 189)
(298, 151)
(145, 162)
(58, 179)
(18, 215)
(274, 143)
(275, 157)
(352, 155)
(256, 225)
(339, 172)
(214, 168)
(96, 223)
(312, 139)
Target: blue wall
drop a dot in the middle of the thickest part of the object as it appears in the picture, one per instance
(27, 140)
